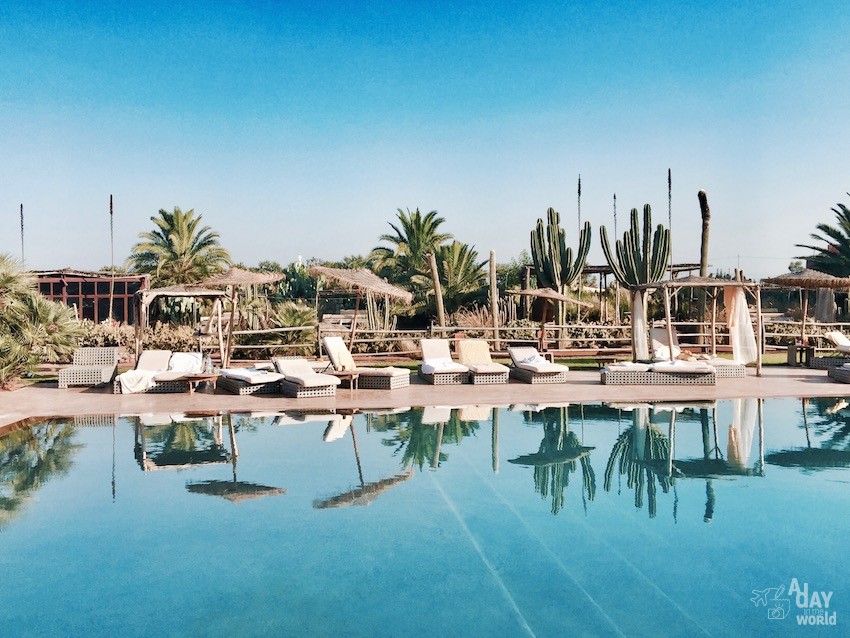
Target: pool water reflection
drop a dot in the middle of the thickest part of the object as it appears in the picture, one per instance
(657, 520)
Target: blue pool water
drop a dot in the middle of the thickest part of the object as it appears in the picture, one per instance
(590, 520)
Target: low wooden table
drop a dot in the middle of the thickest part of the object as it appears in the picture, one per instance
(353, 378)
(194, 378)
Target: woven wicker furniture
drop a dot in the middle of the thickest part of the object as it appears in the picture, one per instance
(389, 378)
(300, 381)
(529, 366)
(648, 374)
(475, 355)
(91, 366)
(437, 367)
(840, 374)
(160, 372)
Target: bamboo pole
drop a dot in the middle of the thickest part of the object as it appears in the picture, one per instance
(714, 322)
(226, 360)
(354, 321)
(438, 291)
(494, 300)
(669, 321)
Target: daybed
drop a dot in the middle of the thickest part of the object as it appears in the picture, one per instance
(301, 381)
(388, 378)
(475, 355)
(530, 366)
(244, 381)
(660, 373)
(724, 368)
(437, 367)
(157, 372)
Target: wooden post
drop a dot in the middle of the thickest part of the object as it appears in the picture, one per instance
(494, 441)
(759, 331)
(526, 284)
(714, 323)
(669, 321)
(226, 361)
(354, 321)
(438, 292)
(494, 300)
(803, 318)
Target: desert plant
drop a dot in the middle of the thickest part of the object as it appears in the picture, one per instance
(553, 261)
(640, 259)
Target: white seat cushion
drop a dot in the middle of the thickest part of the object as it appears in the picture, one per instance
(382, 372)
(628, 365)
(251, 375)
(543, 367)
(435, 366)
(682, 367)
(185, 362)
(487, 368)
(154, 360)
(314, 380)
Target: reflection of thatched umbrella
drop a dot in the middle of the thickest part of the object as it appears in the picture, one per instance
(233, 278)
(361, 280)
(552, 296)
(808, 280)
(364, 494)
(234, 491)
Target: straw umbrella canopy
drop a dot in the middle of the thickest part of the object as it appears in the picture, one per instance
(234, 278)
(362, 280)
(364, 494)
(552, 296)
(234, 491)
(808, 279)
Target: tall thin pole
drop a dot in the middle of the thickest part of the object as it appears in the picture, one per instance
(494, 300)
(22, 233)
(670, 215)
(112, 262)
(578, 308)
(617, 283)
(579, 204)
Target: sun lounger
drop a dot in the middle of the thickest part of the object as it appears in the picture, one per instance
(245, 381)
(723, 368)
(158, 372)
(841, 355)
(660, 373)
(388, 378)
(475, 355)
(301, 381)
(529, 366)
(437, 367)
(91, 366)
(841, 373)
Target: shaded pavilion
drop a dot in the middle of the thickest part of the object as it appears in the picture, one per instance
(363, 281)
(235, 278)
(808, 280)
(711, 285)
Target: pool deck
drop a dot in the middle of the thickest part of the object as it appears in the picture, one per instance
(47, 400)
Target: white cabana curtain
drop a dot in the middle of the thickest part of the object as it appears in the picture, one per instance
(825, 307)
(741, 333)
(741, 432)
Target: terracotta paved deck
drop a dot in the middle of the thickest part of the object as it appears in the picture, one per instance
(584, 386)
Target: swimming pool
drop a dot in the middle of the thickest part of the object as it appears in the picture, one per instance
(588, 520)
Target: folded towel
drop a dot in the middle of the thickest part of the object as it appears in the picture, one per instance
(134, 381)
(251, 375)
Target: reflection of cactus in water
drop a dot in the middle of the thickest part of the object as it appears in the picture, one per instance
(638, 449)
(558, 456)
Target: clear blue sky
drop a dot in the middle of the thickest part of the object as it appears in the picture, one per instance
(299, 128)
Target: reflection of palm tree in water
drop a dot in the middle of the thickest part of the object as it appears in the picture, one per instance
(421, 443)
(29, 458)
(559, 455)
(637, 453)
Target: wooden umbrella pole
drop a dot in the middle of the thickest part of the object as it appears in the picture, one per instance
(494, 441)
(803, 322)
(354, 321)
(759, 332)
(669, 321)
(226, 362)
(714, 322)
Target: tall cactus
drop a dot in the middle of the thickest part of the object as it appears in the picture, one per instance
(553, 261)
(639, 260)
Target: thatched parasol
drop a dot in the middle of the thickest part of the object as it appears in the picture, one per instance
(808, 279)
(552, 296)
(238, 277)
(362, 280)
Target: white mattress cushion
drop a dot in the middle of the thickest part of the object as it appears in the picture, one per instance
(435, 366)
(314, 380)
(542, 367)
(185, 362)
(487, 368)
(682, 367)
(154, 360)
(251, 375)
(383, 372)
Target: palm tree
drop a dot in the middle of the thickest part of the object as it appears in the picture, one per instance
(414, 237)
(179, 250)
(463, 278)
(834, 257)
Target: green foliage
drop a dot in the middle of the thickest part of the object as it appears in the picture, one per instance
(179, 250)
(463, 278)
(796, 266)
(415, 235)
(834, 256)
(32, 328)
(639, 259)
(510, 275)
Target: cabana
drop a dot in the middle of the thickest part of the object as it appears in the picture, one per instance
(144, 298)
(805, 281)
